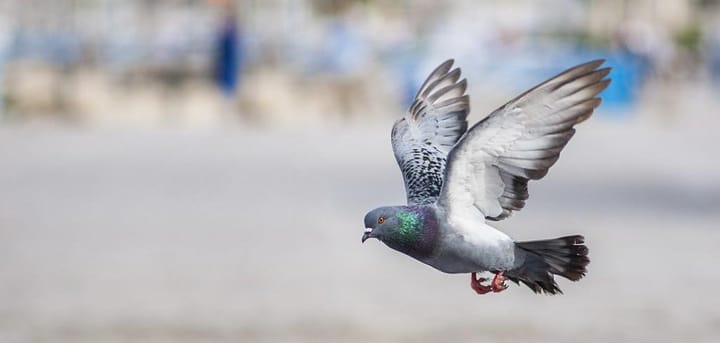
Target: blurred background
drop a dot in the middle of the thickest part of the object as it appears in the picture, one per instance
(197, 171)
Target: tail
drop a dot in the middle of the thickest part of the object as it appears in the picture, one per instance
(564, 256)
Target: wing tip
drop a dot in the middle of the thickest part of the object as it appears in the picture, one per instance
(603, 84)
(583, 69)
(599, 61)
(593, 64)
(440, 72)
(443, 68)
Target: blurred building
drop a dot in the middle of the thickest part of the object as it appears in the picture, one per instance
(151, 62)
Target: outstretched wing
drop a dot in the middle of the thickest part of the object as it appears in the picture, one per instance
(422, 139)
(491, 165)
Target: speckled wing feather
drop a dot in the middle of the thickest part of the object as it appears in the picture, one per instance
(490, 167)
(422, 139)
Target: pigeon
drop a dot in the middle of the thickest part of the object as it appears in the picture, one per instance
(458, 179)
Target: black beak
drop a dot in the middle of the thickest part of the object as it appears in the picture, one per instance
(366, 235)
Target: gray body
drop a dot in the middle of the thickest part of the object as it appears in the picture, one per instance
(464, 247)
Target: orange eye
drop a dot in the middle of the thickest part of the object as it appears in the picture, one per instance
(381, 220)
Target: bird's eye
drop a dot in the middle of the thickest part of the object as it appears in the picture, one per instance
(381, 220)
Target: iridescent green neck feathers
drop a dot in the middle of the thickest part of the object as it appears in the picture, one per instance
(409, 229)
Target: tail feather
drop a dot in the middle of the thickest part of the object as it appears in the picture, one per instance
(564, 256)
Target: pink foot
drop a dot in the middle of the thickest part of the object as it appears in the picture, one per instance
(477, 286)
(498, 283)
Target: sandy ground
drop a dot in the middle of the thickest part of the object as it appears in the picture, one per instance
(253, 235)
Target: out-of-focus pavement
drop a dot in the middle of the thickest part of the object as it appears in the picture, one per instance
(247, 235)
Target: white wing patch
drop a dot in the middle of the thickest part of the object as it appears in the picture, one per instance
(492, 163)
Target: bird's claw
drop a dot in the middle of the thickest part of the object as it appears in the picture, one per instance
(477, 286)
(497, 285)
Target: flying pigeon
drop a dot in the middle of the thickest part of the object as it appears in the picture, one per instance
(458, 179)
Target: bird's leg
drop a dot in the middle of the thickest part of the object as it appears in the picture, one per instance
(498, 283)
(477, 286)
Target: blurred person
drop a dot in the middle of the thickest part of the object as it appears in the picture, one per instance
(228, 58)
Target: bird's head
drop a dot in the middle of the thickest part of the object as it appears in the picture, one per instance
(409, 229)
(380, 222)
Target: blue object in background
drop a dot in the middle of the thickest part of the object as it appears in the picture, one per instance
(627, 76)
(628, 73)
(229, 57)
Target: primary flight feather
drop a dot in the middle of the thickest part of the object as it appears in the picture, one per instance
(456, 179)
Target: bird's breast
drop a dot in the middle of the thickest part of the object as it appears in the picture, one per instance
(471, 246)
